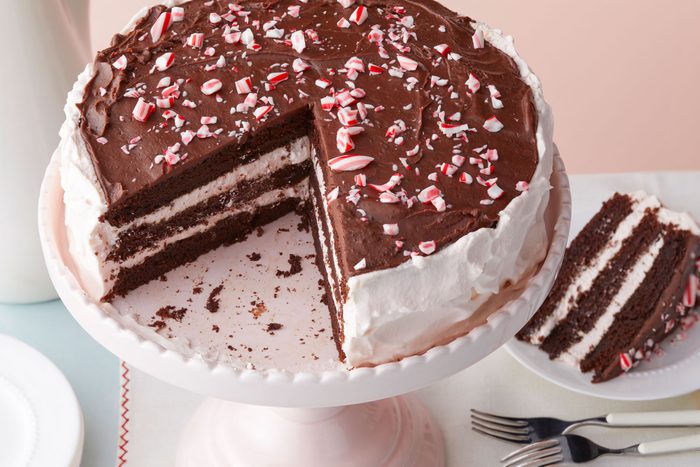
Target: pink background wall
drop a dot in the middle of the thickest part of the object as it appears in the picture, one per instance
(623, 77)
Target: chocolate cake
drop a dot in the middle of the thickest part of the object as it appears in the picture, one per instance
(415, 140)
(627, 280)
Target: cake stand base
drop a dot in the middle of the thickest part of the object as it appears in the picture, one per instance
(396, 432)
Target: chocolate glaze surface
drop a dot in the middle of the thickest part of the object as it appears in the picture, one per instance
(417, 97)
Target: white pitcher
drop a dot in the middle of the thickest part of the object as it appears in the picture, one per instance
(45, 46)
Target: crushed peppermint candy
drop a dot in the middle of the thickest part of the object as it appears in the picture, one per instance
(211, 87)
(493, 125)
(160, 26)
(349, 162)
(427, 248)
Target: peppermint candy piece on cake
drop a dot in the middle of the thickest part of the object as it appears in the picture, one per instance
(349, 162)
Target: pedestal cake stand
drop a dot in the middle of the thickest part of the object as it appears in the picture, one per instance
(242, 328)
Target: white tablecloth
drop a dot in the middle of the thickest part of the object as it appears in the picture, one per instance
(156, 412)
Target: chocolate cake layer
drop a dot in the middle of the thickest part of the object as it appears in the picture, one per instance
(143, 235)
(590, 305)
(412, 85)
(583, 249)
(229, 230)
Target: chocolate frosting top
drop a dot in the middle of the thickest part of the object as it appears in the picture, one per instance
(447, 122)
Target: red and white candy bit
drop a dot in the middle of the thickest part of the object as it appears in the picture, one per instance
(348, 117)
(391, 229)
(187, 136)
(232, 37)
(522, 186)
(406, 63)
(143, 110)
(375, 69)
(427, 248)
(439, 204)
(120, 63)
(451, 129)
(214, 18)
(322, 83)
(691, 291)
(211, 87)
(165, 61)
(493, 125)
(346, 3)
(429, 194)
(294, 10)
(625, 362)
(344, 141)
(495, 97)
(355, 63)
(300, 65)
(343, 23)
(359, 16)
(464, 177)
(251, 100)
(165, 103)
(443, 49)
(376, 36)
(349, 162)
(361, 180)
(473, 83)
(361, 265)
(333, 194)
(478, 39)
(178, 14)
(490, 155)
(298, 41)
(328, 103)
(160, 26)
(261, 111)
(278, 77)
(494, 191)
(393, 182)
(458, 160)
(344, 99)
(244, 86)
(387, 197)
(447, 169)
(196, 40)
(208, 120)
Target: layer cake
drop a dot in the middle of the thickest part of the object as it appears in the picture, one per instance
(416, 142)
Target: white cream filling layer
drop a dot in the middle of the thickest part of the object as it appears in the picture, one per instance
(294, 153)
(299, 191)
(585, 278)
(576, 353)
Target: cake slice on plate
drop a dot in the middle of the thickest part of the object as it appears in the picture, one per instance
(627, 280)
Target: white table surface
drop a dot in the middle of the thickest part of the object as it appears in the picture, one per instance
(497, 383)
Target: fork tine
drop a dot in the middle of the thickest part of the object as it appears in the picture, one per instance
(548, 443)
(500, 418)
(544, 462)
(501, 428)
(502, 436)
(533, 456)
(500, 425)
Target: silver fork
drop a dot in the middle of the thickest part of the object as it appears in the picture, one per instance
(528, 430)
(577, 449)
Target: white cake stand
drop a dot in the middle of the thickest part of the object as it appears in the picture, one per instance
(274, 401)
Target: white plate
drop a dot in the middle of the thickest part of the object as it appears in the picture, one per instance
(674, 372)
(40, 420)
